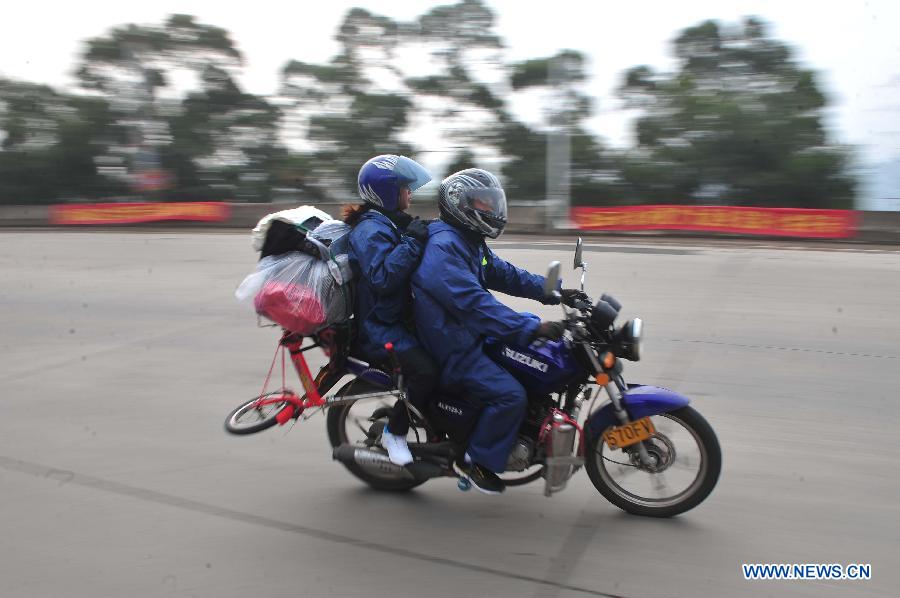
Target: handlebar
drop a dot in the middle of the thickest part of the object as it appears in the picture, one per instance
(582, 305)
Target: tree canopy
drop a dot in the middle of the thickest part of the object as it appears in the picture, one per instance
(160, 114)
(739, 122)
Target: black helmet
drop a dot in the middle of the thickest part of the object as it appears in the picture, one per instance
(474, 200)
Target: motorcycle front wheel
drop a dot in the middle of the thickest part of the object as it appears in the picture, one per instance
(360, 423)
(686, 459)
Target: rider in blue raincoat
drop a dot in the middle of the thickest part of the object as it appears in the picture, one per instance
(455, 311)
(386, 245)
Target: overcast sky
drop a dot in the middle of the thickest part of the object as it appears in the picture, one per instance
(854, 45)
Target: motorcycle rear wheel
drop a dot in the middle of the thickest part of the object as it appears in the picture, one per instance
(520, 478)
(633, 491)
(352, 422)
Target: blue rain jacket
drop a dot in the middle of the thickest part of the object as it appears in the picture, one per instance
(455, 311)
(382, 260)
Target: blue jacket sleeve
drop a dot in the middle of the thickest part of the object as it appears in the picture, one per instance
(386, 264)
(453, 284)
(502, 276)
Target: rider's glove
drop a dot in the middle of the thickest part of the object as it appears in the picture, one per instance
(550, 330)
(418, 230)
(570, 296)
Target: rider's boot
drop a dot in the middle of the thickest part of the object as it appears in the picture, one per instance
(397, 449)
(482, 478)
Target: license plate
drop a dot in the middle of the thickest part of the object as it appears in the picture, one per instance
(630, 433)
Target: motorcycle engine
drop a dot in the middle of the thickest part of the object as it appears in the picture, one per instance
(521, 454)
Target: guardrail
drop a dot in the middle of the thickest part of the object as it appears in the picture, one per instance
(870, 227)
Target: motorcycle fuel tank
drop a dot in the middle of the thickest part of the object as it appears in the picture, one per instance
(540, 368)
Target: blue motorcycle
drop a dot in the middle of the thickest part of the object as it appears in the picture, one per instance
(645, 449)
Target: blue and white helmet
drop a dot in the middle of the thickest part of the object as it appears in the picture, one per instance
(381, 178)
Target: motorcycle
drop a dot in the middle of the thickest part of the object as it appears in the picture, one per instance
(645, 449)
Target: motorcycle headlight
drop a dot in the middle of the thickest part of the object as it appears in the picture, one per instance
(629, 340)
(603, 315)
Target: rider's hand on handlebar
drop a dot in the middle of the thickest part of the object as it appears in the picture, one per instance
(570, 296)
(550, 330)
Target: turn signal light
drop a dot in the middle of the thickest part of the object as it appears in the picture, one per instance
(608, 360)
(602, 379)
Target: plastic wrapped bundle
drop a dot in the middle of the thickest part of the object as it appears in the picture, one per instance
(304, 216)
(302, 292)
(293, 306)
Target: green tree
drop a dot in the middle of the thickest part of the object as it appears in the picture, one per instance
(363, 103)
(347, 111)
(461, 161)
(134, 68)
(454, 104)
(566, 107)
(739, 122)
(223, 138)
(51, 145)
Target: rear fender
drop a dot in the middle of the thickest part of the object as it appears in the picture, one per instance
(639, 401)
(363, 370)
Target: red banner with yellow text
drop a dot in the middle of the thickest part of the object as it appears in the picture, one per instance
(130, 213)
(782, 222)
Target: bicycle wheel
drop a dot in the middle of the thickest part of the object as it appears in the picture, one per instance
(251, 417)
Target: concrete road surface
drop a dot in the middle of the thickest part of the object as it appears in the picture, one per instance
(121, 353)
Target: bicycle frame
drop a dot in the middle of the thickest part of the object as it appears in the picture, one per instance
(295, 404)
(314, 387)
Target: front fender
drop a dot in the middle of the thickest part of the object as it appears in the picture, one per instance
(639, 401)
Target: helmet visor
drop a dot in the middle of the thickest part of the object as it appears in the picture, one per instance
(489, 201)
(410, 173)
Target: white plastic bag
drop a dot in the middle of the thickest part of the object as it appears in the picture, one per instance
(301, 292)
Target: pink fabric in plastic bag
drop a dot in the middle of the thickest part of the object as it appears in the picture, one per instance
(295, 307)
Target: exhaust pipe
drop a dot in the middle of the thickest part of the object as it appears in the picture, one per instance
(371, 461)
(377, 463)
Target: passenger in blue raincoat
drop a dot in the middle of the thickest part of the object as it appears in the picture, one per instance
(455, 311)
(386, 245)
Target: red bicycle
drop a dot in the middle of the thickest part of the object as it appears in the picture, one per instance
(281, 405)
(356, 412)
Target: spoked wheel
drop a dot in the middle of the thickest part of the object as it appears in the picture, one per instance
(686, 463)
(252, 417)
(360, 423)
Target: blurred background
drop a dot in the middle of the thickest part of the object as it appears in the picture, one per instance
(752, 103)
(123, 483)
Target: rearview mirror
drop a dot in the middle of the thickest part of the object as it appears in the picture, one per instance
(551, 283)
(579, 262)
